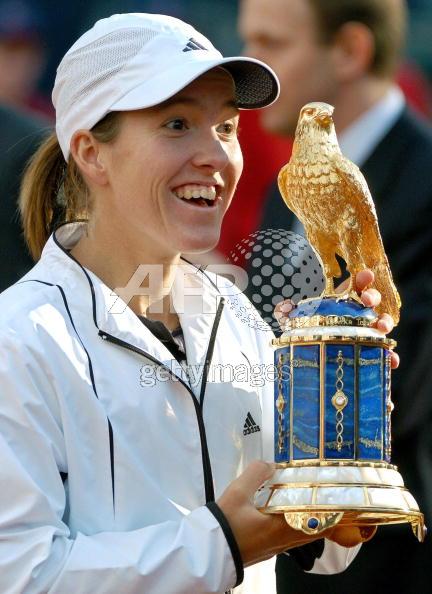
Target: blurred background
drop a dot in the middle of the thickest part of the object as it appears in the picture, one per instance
(35, 34)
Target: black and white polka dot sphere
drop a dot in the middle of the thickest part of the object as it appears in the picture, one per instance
(281, 265)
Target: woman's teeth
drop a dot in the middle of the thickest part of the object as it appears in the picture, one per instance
(195, 192)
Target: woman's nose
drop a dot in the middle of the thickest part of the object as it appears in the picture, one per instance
(212, 153)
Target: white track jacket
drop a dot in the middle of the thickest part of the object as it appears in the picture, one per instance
(110, 453)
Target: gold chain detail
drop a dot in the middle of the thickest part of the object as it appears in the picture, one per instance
(280, 405)
(339, 401)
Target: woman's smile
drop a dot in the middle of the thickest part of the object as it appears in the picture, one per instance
(197, 194)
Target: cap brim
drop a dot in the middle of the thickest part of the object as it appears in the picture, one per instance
(256, 85)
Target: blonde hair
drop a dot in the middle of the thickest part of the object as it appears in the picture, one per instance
(53, 191)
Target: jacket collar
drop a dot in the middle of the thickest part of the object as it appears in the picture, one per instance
(195, 298)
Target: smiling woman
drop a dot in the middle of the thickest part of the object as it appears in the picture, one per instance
(113, 483)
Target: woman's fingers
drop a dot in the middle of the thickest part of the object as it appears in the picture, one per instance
(350, 536)
(394, 360)
(255, 474)
(282, 310)
(363, 280)
(371, 297)
(385, 323)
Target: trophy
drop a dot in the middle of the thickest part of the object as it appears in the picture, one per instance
(333, 403)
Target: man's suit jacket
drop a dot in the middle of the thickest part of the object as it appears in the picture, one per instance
(399, 175)
(19, 137)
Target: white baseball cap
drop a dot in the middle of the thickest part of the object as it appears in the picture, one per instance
(132, 61)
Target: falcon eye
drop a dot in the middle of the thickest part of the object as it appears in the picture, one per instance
(309, 111)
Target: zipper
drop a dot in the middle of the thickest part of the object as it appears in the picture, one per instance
(210, 349)
(207, 471)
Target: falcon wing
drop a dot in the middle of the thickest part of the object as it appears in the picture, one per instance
(289, 186)
(356, 190)
(368, 243)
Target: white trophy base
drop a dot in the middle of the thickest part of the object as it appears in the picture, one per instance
(314, 497)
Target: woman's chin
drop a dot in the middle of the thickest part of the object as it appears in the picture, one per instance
(199, 245)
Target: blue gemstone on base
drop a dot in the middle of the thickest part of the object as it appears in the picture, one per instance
(313, 523)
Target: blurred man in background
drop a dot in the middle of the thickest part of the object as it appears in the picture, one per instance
(346, 53)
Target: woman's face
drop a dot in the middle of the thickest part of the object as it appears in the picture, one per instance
(172, 170)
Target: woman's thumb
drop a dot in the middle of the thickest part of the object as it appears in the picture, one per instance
(254, 475)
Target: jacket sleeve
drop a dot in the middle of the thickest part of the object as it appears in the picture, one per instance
(334, 558)
(323, 556)
(38, 554)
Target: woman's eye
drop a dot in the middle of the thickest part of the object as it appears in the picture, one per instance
(176, 124)
(228, 128)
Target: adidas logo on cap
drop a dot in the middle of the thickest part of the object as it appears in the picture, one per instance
(193, 44)
(250, 426)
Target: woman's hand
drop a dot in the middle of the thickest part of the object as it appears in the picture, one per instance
(370, 298)
(260, 536)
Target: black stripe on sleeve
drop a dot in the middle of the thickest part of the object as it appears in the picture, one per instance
(232, 543)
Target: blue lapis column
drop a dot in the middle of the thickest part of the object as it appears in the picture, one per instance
(307, 423)
(305, 402)
(371, 399)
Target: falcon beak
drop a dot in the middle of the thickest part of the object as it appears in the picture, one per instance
(324, 118)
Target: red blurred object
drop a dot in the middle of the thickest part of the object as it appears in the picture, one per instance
(416, 88)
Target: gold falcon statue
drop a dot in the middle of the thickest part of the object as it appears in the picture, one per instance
(330, 196)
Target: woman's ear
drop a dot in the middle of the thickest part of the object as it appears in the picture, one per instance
(353, 51)
(85, 150)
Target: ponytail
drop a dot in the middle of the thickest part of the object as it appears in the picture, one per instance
(53, 191)
(38, 196)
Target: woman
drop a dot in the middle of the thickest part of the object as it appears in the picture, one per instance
(113, 449)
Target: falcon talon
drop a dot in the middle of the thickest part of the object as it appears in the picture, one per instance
(355, 296)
